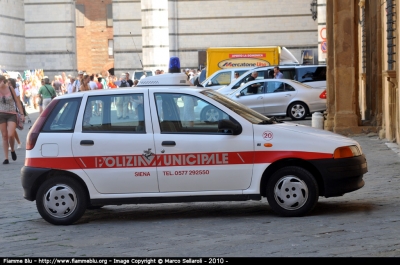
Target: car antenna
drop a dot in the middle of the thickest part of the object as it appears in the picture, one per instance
(138, 53)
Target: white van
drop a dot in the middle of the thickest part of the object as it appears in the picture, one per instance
(223, 77)
(312, 75)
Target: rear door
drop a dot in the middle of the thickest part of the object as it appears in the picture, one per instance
(277, 97)
(113, 143)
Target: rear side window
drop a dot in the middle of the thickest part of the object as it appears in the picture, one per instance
(114, 114)
(63, 116)
(312, 73)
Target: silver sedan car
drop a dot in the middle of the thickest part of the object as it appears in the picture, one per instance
(281, 97)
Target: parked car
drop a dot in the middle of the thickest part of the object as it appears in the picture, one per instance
(312, 75)
(77, 158)
(281, 97)
(138, 74)
(223, 77)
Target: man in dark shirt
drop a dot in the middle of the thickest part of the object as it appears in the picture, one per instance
(254, 87)
(130, 82)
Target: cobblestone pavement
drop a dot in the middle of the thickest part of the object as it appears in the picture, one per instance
(364, 223)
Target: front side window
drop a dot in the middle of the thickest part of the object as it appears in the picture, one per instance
(63, 116)
(244, 79)
(114, 113)
(223, 78)
(182, 113)
(255, 88)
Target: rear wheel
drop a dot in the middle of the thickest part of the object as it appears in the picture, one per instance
(297, 111)
(211, 114)
(61, 200)
(292, 191)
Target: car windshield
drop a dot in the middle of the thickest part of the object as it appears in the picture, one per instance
(245, 112)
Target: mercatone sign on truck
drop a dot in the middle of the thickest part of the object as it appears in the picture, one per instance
(236, 57)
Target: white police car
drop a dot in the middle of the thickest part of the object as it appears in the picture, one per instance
(90, 149)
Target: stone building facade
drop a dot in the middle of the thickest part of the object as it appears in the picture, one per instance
(47, 34)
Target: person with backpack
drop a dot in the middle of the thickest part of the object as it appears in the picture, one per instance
(46, 92)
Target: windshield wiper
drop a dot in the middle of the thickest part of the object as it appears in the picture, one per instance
(267, 122)
(271, 120)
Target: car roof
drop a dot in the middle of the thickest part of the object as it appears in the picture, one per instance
(143, 89)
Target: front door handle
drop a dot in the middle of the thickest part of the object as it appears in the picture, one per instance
(168, 143)
(87, 142)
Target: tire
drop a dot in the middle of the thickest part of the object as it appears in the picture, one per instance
(292, 191)
(211, 115)
(297, 111)
(61, 200)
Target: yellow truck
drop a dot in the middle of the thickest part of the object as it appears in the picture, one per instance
(242, 57)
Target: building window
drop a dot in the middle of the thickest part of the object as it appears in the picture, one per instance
(110, 48)
(80, 15)
(109, 16)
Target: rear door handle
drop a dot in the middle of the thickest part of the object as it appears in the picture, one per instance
(168, 143)
(87, 142)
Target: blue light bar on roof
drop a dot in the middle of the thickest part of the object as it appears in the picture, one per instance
(174, 65)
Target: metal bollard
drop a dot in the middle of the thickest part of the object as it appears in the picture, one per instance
(317, 120)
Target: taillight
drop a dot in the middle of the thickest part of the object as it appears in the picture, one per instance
(34, 132)
(323, 95)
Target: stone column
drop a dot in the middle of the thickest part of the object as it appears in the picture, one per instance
(345, 69)
(330, 77)
(155, 34)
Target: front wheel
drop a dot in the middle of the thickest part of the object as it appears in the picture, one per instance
(292, 191)
(297, 111)
(61, 200)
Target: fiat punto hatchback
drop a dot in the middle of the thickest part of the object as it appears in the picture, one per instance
(149, 144)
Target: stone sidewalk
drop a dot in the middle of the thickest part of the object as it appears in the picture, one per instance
(364, 223)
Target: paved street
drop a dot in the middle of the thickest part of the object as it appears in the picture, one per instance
(364, 223)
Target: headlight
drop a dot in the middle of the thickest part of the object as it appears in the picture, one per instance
(346, 151)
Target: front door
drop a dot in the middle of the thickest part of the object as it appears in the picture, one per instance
(252, 96)
(192, 155)
(113, 143)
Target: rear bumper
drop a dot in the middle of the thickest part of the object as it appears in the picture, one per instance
(29, 180)
(341, 175)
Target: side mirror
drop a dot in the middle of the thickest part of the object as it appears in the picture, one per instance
(228, 125)
(237, 95)
(209, 83)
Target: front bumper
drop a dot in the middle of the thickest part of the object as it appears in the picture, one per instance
(29, 180)
(341, 175)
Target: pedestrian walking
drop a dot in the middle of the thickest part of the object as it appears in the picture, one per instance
(8, 117)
